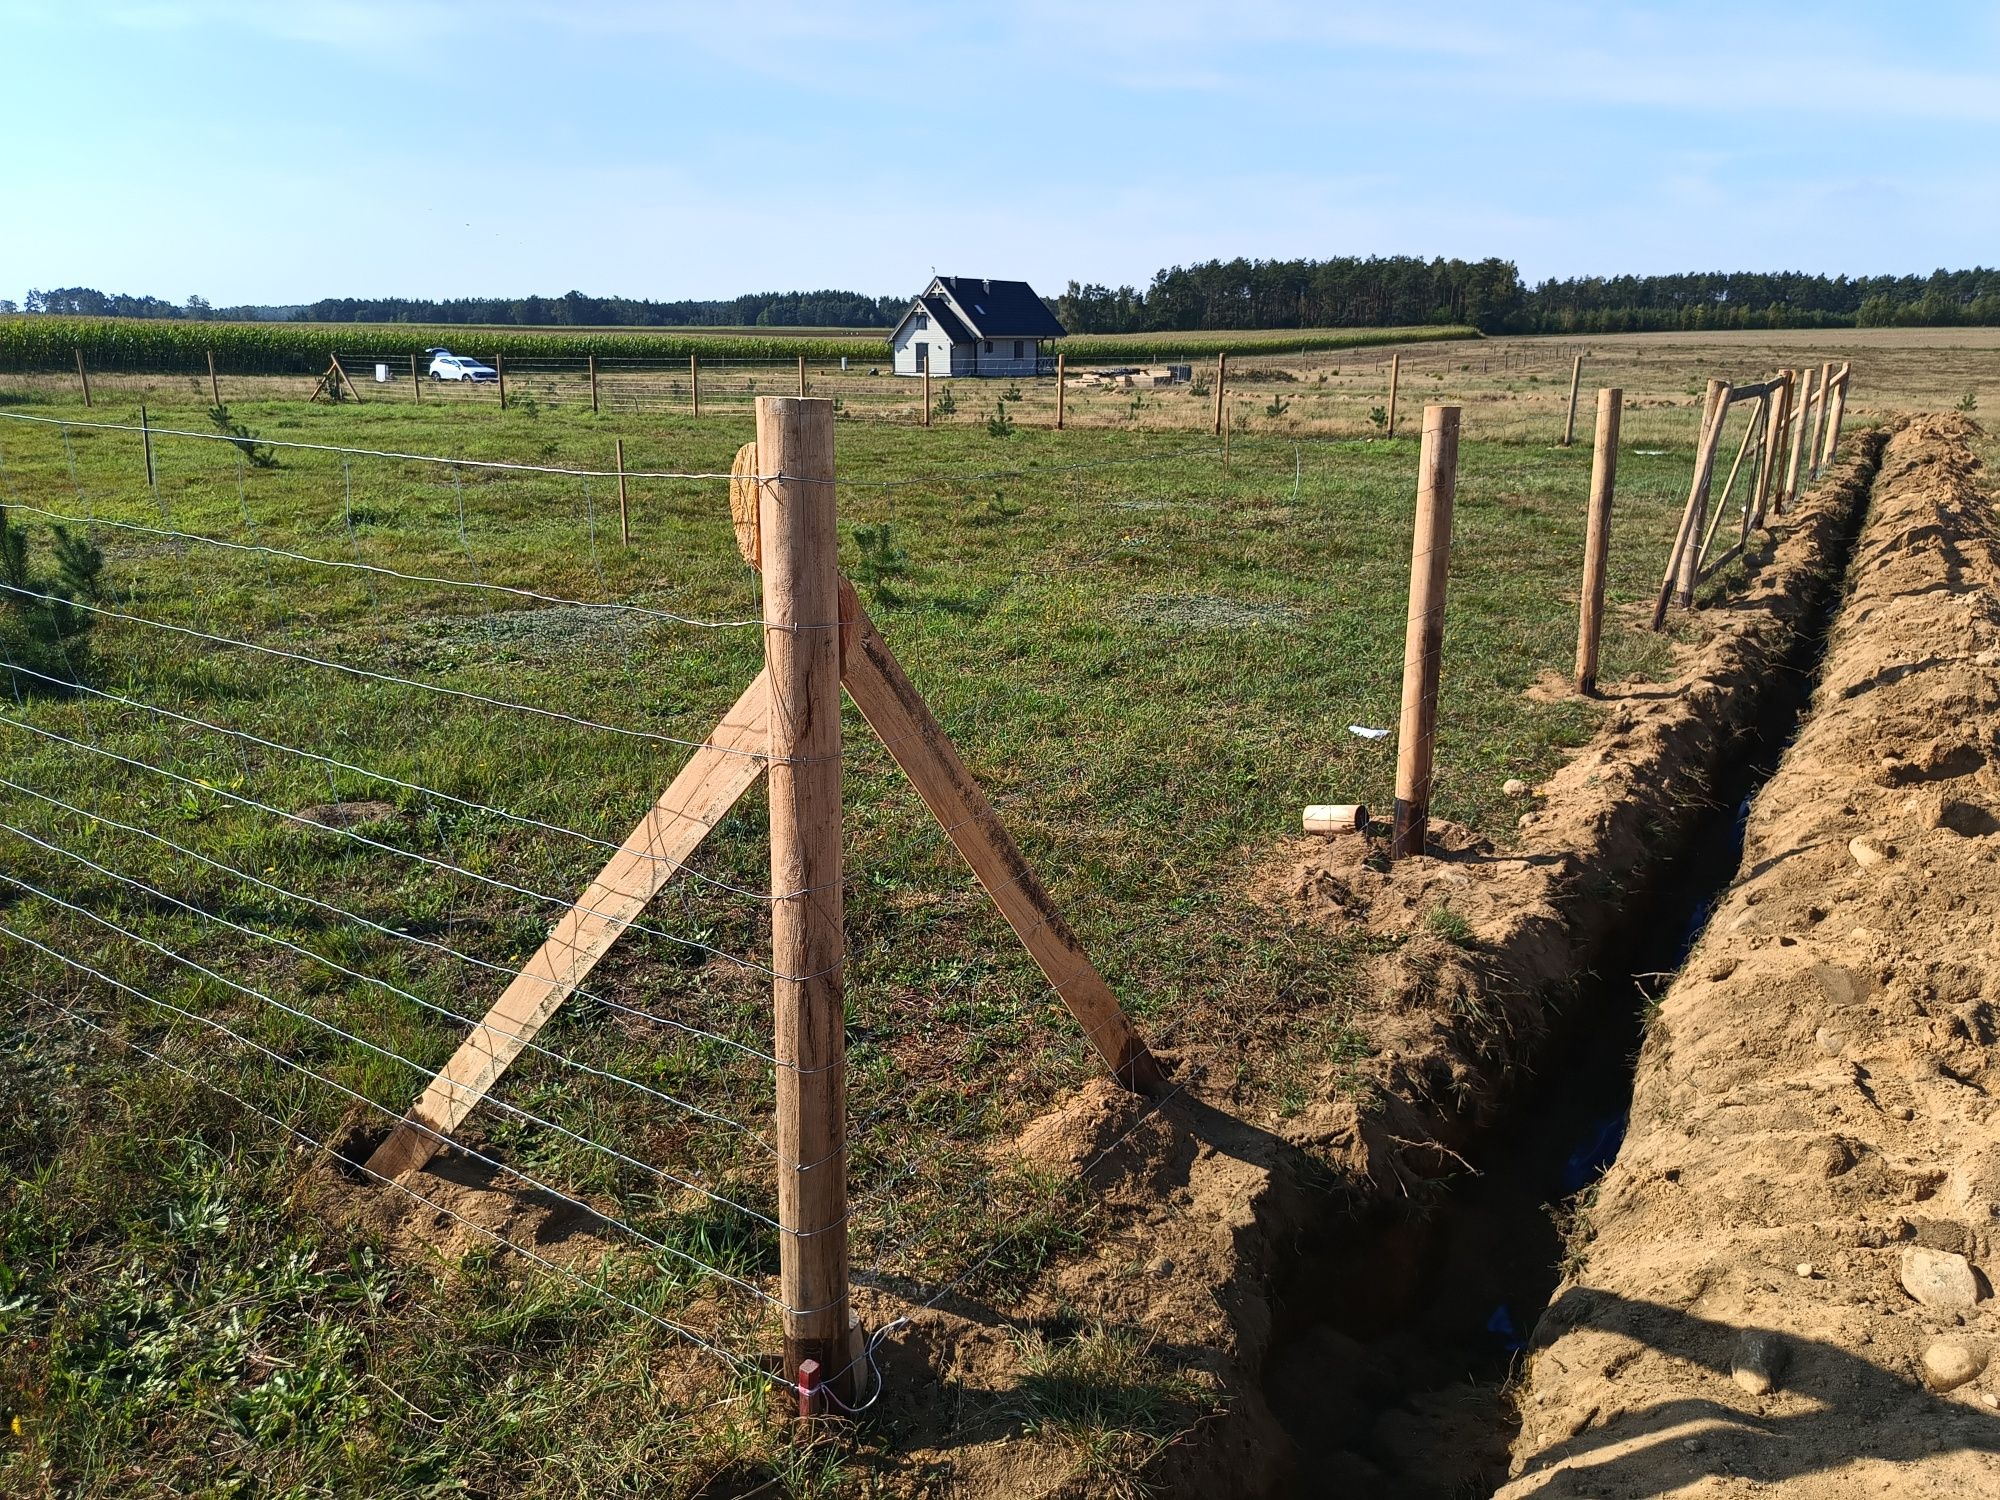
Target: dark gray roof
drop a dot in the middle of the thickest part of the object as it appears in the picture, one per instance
(1002, 309)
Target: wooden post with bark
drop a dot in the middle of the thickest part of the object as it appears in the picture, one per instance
(1221, 375)
(593, 382)
(214, 385)
(146, 443)
(802, 375)
(1395, 375)
(1774, 445)
(796, 525)
(1569, 422)
(1062, 385)
(927, 391)
(84, 376)
(416, 382)
(1816, 454)
(694, 385)
(624, 516)
(1715, 416)
(1836, 412)
(500, 370)
(1795, 465)
(1597, 539)
(1688, 537)
(1430, 567)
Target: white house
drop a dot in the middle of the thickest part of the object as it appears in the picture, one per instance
(967, 325)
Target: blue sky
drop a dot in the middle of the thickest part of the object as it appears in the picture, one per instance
(306, 148)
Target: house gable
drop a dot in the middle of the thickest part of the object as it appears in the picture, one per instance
(996, 309)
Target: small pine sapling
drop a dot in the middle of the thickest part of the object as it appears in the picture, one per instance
(882, 561)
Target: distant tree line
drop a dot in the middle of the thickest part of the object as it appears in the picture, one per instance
(1790, 299)
(1489, 294)
(1343, 292)
(1346, 292)
(88, 302)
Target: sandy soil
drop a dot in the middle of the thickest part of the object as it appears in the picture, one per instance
(1788, 1281)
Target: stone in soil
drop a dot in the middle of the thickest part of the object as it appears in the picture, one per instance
(1940, 1279)
(1760, 1361)
(1949, 1364)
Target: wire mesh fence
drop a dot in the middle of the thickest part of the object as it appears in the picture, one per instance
(311, 755)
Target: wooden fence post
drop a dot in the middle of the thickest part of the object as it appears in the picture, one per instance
(1774, 443)
(802, 375)
(500, 369)
(214, 386)
(1752, 433)
(1597, 539)
(1395, 375)
(1688, 536)
(83, 375)
(1430, 567)
(416, 383)
(593, 382)
(1836, 414)
(624, 517)
(1795, 470)
(1062, 385)
(1715, 416)
(339, 371)
(1221, 374)
(694, 384)
(797, 517)
(1569, 422)
(146, 442)
(1816, 455)
(927, 391)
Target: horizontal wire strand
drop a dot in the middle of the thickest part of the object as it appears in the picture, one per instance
(360, 1098)
(527, 1042)
(387, 1053)
(322, 1148)
(468, 803)
(381, 572)
(13, 721)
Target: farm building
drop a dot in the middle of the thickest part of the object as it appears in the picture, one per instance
(968, 325)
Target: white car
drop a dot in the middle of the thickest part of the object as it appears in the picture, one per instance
(448, 366)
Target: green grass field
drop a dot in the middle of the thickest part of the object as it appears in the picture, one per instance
(1149, 656)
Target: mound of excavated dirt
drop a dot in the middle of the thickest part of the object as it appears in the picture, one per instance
(1789, 1285)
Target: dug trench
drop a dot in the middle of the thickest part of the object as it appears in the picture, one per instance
(1406, 1314)
(1354, 1280)
(1785, 1284)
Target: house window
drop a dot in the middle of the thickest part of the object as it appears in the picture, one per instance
(1017, 348)
(989, 346)
(923, 321)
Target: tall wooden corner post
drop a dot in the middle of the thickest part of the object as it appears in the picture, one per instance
(1597, 539)
(796, 525)
(786, 725)
(1569, 422)
(1423, 644)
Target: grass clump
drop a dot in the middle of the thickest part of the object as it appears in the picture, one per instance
(1107, 1396)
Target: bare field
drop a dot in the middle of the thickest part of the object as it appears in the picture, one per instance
(1515, 389)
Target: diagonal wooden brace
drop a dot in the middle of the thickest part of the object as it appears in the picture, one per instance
(708, 786)
(897, 713)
